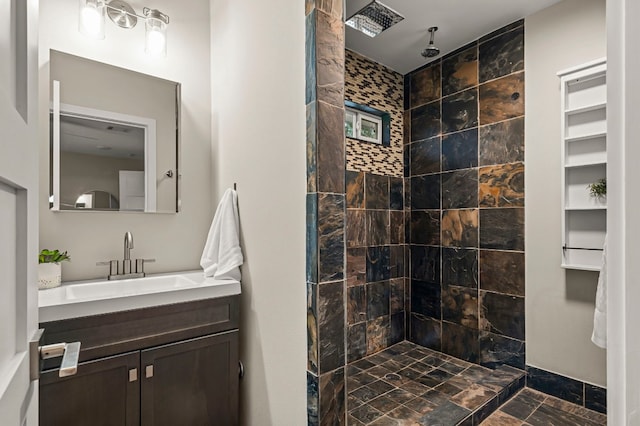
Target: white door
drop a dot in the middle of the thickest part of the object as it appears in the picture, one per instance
(132, 190)
(18, 209)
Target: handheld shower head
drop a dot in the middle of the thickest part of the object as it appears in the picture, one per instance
(431, 50)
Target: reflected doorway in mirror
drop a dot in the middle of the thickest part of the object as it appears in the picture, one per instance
(97, 152)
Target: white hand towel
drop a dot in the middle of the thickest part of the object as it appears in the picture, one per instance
(599, 336)
(222, 255)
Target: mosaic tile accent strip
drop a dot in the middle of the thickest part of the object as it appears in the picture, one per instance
(369, 83)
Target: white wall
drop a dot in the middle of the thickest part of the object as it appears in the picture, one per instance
(175, 240)
(623, 315)
(259, 143)
(559, 303)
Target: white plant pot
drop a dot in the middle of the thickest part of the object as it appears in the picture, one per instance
(49, 275)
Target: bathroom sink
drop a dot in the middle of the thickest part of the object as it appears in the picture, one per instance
(108, 289)
(83, 298)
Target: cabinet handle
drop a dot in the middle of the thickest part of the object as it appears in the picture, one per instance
(133, 375)
(148, 371)
(70, 353)
(240, 369)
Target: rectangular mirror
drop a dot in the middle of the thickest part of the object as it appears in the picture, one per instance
(114, 138)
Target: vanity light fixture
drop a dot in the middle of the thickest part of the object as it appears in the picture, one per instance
(92, 18)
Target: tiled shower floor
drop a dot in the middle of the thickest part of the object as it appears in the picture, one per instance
(532, 408)
(407, 384)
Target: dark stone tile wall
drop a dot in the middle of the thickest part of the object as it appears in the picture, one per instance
(375, 234)
(574, 391)
(376, 268)
(325, 219)
(464, 174)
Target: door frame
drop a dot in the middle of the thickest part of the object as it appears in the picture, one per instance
(19, 164)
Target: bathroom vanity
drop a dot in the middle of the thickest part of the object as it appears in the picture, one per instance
(166, 364)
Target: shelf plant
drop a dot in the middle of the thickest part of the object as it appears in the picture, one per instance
(49, 268)
(598, 189)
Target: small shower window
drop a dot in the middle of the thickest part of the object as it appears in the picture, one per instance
(350, 123)
(362, 126)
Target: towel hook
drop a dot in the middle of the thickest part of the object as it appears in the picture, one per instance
(234, 186)
(169, 173)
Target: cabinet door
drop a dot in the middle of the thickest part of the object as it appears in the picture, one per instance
(193, 382)
(103, 392)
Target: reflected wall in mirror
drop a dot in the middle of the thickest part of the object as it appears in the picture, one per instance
(114, 138)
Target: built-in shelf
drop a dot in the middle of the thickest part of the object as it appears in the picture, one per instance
(586, 108)
(585, 208)
(585, 164)
(584, 161)
(586, 137)
(581, 267)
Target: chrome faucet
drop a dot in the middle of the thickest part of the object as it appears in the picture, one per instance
(117, 273)
(128, 245)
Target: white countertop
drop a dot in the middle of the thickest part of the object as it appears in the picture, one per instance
(95, 297)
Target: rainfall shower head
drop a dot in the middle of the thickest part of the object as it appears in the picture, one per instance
(431, 50)
(374, 18)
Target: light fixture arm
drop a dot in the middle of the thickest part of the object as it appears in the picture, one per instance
(155, 14)
(122, 14)
(124, 11)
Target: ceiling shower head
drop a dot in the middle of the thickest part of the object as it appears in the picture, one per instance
(431, 50)
(374, 18)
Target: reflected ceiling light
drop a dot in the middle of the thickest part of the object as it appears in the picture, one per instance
(92, 18)
(374, 18)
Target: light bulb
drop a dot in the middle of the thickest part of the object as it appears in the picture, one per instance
(155, 42)
(92, 18)
(156, 32)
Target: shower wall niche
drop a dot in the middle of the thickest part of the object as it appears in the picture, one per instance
(464, 161)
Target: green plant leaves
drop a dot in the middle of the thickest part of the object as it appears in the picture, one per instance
(598, 189)
(53, 256)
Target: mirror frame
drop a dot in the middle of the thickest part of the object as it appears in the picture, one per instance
(58, 108)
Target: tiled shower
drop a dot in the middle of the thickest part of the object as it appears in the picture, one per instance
(464, 153)
(426, 255)
(415, 248)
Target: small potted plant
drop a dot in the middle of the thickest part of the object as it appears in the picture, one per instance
(49, 268)
(598, 189)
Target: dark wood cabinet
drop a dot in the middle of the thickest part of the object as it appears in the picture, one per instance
(100, 393)
(193, 381)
